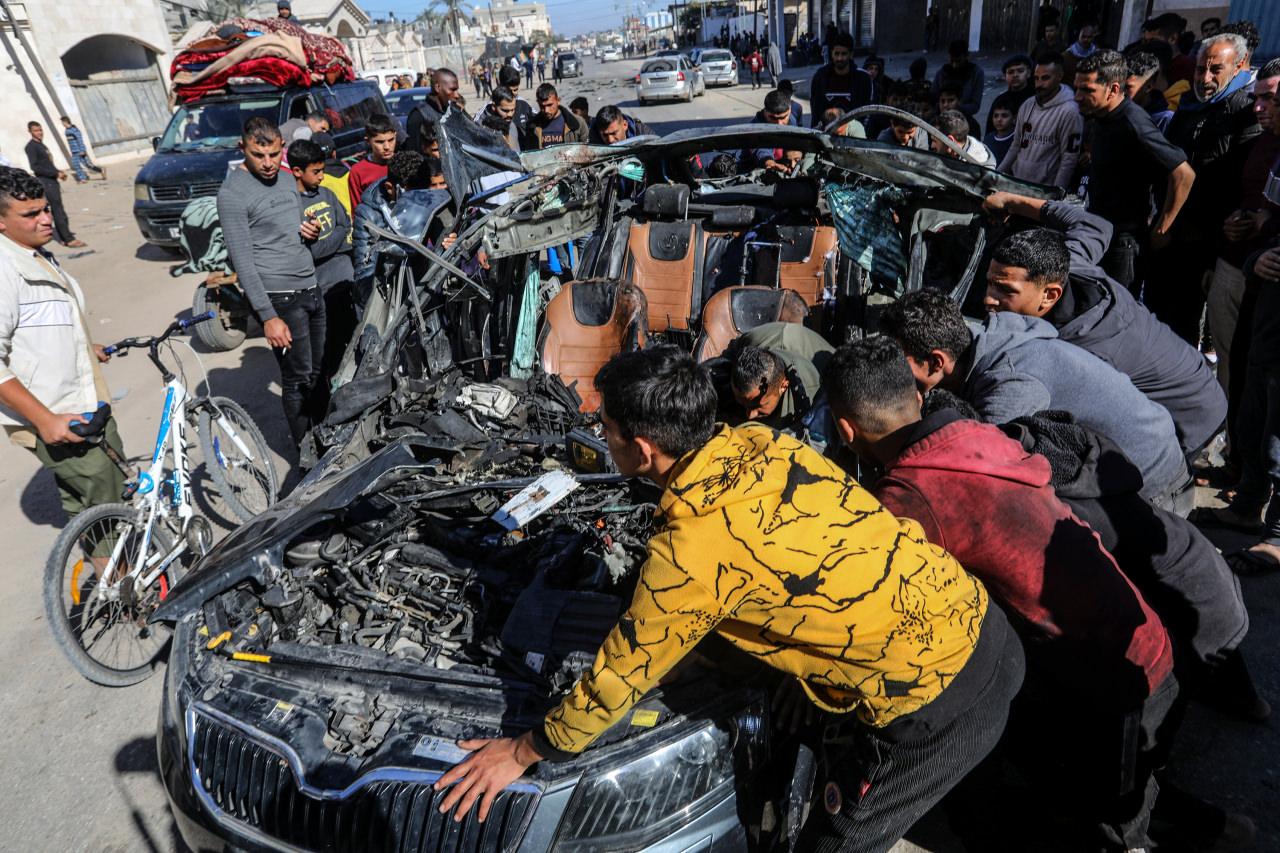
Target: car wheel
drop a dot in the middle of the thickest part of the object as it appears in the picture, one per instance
(688, 99)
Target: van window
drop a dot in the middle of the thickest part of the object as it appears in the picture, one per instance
(350, 106)
(216, 124)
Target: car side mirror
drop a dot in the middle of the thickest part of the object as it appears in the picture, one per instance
(155, 143)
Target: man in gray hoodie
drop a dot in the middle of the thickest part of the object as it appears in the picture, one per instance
(1011, 366)
(1054, 273)
(1046, 139)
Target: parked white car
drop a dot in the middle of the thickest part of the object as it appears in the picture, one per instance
(611, 54)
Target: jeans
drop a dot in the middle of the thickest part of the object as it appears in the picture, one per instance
(1258, 429)
(53, 195)
(1123, 261)
(302, 392)
(80, 162)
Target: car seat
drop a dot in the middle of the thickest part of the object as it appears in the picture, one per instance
(664, 258)
(586, 324)
(737, 310)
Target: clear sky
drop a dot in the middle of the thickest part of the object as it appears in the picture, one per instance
(569, 17)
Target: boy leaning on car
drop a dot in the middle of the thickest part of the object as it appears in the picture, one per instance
(774, 548)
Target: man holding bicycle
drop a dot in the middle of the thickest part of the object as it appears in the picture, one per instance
(49, 374)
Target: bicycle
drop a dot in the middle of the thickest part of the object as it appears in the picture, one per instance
(134, 549)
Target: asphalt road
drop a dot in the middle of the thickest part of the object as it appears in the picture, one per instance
(79, 760)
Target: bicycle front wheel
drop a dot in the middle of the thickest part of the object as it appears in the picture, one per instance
(237, 456)
(102, 629)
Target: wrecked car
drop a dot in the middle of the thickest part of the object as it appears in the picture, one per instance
(461, 546)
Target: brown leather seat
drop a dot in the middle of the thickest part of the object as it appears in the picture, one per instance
(737, 310)
(664, 259)
(586, 324)
(806, 254)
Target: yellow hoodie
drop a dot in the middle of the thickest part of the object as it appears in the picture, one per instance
(771, 545)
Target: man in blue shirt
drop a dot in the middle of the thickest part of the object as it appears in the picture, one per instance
(79, 154)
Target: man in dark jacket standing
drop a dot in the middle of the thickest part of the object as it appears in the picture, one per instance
(1054, 273)
(963, 73)
(839, 84)
(42, 167)
(553, 124)
(1212, 129)
(1099, 662)
(1012, 366)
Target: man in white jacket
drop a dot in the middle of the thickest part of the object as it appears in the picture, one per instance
(1047, 132)
(49, 375)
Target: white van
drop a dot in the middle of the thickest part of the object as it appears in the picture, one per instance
(384, 76)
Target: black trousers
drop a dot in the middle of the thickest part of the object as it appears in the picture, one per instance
(882, 787)
(53, 195)
(1174, 289)
(1091, 761)
(1258, 431)
(1125, 258)
(302, 391)
(340, 323)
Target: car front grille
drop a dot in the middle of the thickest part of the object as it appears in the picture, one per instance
(165, 220)
(254, 786)
(182, 192)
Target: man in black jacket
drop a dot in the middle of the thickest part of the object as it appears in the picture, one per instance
(839, 84)
(1054, 273)
(1212, 128)
(42, 167)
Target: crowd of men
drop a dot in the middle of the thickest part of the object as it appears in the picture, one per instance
(1019, 583)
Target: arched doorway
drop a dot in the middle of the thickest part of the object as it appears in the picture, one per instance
(120, 91)
(351, 41)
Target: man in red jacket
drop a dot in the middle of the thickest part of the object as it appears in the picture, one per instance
(1099, 660)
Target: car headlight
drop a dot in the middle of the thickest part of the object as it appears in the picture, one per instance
(141, 192)
(631, 806)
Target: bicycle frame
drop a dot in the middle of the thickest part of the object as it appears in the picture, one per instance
(171, 434)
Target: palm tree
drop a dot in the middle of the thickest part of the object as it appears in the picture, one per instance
(451, 11)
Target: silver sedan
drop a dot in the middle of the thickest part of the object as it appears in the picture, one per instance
(669, 77)
(718, 67)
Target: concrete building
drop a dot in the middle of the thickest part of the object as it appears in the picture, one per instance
(506, 19)
(104, 63)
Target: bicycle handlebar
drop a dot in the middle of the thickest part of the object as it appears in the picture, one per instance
(153, 342)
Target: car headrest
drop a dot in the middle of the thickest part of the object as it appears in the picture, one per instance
(668, 201)
(733, 218)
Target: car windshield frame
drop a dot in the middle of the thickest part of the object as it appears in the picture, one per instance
(188, 117)
(714, 56)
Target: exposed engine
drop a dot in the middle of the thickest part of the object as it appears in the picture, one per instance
(421, 573)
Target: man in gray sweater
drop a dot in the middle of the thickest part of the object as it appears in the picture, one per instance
(266, 235)
(1011, 366)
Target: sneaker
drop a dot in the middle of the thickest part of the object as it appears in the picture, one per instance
(76, 244)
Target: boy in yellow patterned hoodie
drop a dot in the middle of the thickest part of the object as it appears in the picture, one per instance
(765, 542)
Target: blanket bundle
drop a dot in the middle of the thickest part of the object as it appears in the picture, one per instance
(274, 51)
